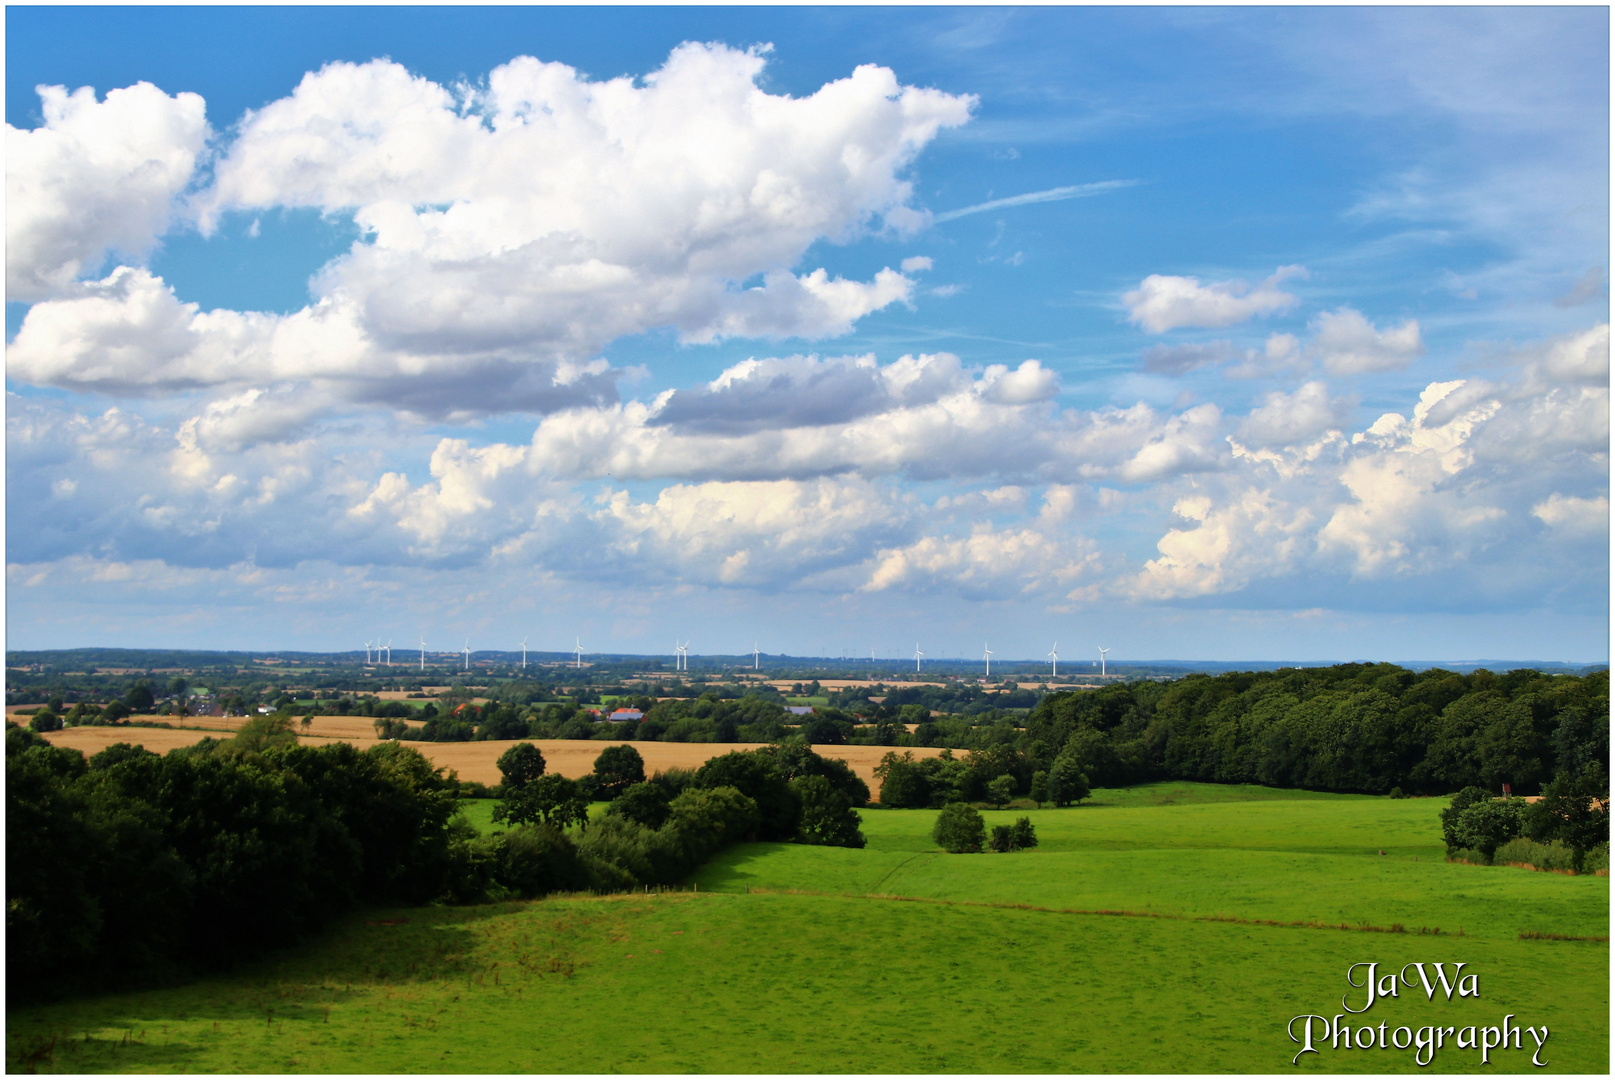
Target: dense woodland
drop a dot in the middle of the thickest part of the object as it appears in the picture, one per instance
(129, 867)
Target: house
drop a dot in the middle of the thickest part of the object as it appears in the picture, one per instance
(799, 710)
(627, 714)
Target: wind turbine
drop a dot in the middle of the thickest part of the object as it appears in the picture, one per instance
(524, 654)
(1054, 656)
(917, 655)
(1102, 653)
(988, 655)
(756, 658)
(579, 651)
(423, 652)
(389, 652)
(467, 651)
(367, 652)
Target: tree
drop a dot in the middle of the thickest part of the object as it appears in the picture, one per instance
(1000, 790)
(45, 720)
(617, 769)
(1573, 810)
(1067, 782)
(550, 799)
(827, 814)
(754, 774)
(1040, 788)
(115, 712)
(959, 829)
(1489, 824)
(1462, 801)
(644, 803)
(139, 697)
(521, 765)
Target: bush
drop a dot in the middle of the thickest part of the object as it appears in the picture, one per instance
(1016, 837)
(538, 859)
(959, 829)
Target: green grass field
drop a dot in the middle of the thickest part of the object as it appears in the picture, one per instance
(899, 958)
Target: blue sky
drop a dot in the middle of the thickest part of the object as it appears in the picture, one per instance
(1200, 333)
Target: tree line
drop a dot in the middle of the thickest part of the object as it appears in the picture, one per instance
(128, 867)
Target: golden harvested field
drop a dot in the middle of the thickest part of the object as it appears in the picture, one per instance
(471, 760)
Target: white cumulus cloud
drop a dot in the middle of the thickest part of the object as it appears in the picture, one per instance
(1348, 344)
(95, 177)
(1164, 302)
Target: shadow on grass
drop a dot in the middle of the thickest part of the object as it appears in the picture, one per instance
(299, 984)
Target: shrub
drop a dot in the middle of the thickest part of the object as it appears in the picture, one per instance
(1016, 837)
(959, 829)
(1025, 835)
(539, 859)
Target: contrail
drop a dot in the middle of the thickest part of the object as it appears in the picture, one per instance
(1075, 191)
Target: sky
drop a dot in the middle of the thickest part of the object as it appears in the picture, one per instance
(1212, 334)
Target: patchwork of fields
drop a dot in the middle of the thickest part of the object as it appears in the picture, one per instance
(1148, 932)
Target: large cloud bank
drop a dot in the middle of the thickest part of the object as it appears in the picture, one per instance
(509, 232)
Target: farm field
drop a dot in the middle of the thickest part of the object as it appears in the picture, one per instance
(798, 959)
(471, 760)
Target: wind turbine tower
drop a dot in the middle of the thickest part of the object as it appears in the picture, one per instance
(467, 651)
(524, 654)
(423, 652)
(367, 652)
(1102, 653)
(1054, 658)
(756, 658)
(917, 655)
(579, 651)
(389, 652)
(988, 656)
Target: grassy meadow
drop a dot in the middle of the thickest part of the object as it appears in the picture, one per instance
(899, 958)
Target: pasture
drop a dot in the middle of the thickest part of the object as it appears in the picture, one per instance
(1148, 932)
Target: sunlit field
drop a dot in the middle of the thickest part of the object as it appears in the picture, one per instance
(1173, 927)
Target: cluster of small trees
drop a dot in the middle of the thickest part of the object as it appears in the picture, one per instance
(960, 829)
(657, 829)
(1573, 811)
